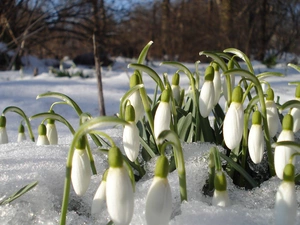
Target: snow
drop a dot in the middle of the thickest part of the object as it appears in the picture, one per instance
(22, 163)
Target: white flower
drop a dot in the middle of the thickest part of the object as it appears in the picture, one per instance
(131, 141)
(52, 133)
(176, 92)
(99, 199)
(162, 116)
(286, 206)
(256, 139)
(119, 195)
(207, 98)
(217, 86)
(272, 113)
(283, 153)
(295, 112)
(81, 171)
(119, 190)
(159, 202)
(3, 132)
(233, 125)
(135, 99)
(42, 137)
(220, 197)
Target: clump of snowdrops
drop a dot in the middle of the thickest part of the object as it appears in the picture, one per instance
(246, 131)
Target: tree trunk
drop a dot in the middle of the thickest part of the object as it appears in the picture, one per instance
(165, 27)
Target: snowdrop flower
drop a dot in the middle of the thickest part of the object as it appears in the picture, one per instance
(131, 140)
(135, 99)
(176, 88)
(220, 197)
(295, 112)
(286, 199)
(42, 137)
(217, 83)
(52, 132)
(81, 171)
(272, 113)
(207, 94)
(21, 133)
(233, 124)
(99, 199)
(283, 153)
(119, 191)
(162, 116)
(3, 132)
(256, 139)
(159, 197)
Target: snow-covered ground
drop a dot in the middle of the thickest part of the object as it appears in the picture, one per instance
(23, 163)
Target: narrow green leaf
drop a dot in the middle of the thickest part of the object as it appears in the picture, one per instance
(269, 74)
(241, 55)
(183, 125)
(296, 67)
(144, 52)
(217, 59)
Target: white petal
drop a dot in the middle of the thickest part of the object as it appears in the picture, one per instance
(3, 135)
(162, 118)
(233, 125)
(52, 134)
(256, 143)
(131, 141)
(99, 198)
(207, 98)
(136, 102)
(282, 154)
(159, 202)
(286, 204)
(42, 140)
(119, 196)
(272, 118)
(220, 198)
(295, 112)
(217, 86)
(81, 172)
(21, 137)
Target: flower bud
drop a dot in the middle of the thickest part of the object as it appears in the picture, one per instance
(42, 137)
(3, 132)
(21, 133)
(220, 197)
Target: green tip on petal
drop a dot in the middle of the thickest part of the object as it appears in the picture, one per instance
(162, 167)
(175, 79)
(297, 92)
(42, 130)
(80, 145)
(209, 73)
(237, 94)
(165, 96)
(256, 118)
(216, 66)
(289, 173)
(2, 121)
(230, 64)
(115, 157)
(287, 122)
(51, 121)
(270, 94)
(220, 181)
(134, 80)
(21, 128)
(129, 113)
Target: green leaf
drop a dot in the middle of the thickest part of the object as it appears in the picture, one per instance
(241, 55)
(19, 193)
(183, 125)
(269, 74)
(296, 67)
(144, 52)
(217, 59)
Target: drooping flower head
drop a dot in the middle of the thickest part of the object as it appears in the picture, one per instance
(207, 94)
(99, 199)
(217, 83)
(220, 197)
(81, 170)
(159, 197)
(21, 133)
(286, 199)
(256, 139)
(283, 153)
(135, 99)
(42, 137)
(119, 191)
(176, 88)
(234, 120)
(3, 132)
(131, 140)
(162, 118)
(52, 132)
(295, 112)
(272, 113)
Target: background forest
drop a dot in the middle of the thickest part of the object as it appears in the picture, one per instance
(180, 29)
